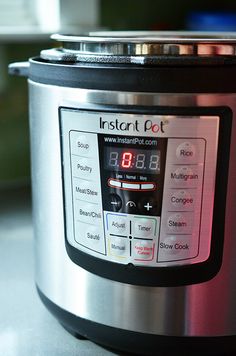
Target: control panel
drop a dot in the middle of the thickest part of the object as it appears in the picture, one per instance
(138, 188)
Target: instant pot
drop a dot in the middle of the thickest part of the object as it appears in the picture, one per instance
(133, 157)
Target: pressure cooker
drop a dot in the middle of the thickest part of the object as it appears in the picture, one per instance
(133, 138)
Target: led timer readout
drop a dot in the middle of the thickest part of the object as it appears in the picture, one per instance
(132, 160)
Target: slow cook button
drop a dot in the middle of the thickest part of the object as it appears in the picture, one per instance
(83, 144)
(84, 168)
(118, 246)
(86, 190)
(176, 248)
(144, 227)
(143, 250)
(88, 213)
(117, 224)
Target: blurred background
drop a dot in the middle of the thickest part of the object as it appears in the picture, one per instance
(25, 26)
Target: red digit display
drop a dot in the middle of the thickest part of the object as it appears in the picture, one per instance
(126, 159)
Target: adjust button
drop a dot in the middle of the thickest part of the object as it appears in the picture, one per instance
(117, 224)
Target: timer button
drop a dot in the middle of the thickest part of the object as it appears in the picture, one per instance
(115, 202)
(144, 227)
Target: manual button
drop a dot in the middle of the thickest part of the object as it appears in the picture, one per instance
(118, 246)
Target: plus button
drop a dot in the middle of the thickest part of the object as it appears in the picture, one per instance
(148, 206)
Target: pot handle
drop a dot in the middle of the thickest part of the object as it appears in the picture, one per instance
(19, 68)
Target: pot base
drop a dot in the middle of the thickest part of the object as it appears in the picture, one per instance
(140, 343)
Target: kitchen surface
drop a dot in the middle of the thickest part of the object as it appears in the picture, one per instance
(26, 327)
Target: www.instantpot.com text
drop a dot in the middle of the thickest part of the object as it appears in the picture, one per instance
(131, 141)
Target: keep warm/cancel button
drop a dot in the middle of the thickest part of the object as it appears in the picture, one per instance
(178, 247)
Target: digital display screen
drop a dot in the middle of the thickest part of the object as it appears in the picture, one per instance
(132, 160)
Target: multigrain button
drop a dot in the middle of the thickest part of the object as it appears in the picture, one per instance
(184, 175)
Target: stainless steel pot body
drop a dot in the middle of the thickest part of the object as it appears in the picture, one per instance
(205, 309)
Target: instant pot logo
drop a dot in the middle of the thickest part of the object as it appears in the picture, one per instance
(134, 126)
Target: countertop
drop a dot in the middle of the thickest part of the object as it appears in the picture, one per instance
(26, 327)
